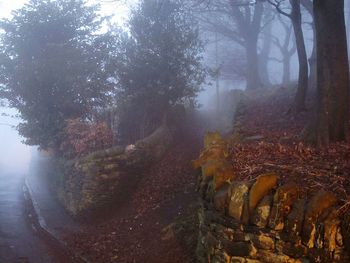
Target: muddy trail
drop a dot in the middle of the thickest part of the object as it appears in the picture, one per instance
(158, 223)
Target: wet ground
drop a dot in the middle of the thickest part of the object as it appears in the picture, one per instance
(19, 242)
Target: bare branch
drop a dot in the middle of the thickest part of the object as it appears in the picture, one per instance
(277, 5)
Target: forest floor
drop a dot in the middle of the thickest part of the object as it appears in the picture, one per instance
(159, 221)
(274, 144)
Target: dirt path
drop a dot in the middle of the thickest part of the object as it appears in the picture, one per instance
(158, 224)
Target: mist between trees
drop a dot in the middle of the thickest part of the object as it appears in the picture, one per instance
(81, 82)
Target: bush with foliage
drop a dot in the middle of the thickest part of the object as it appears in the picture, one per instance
(54, 66)
(82, 137)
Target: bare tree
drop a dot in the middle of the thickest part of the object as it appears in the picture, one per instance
(287, 50)
(267, 42)
(295, 17)
(241, 23)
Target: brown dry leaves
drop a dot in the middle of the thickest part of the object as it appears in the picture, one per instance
(283, 152)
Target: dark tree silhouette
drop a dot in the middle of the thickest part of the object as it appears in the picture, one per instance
(295, 17)
(331, 122)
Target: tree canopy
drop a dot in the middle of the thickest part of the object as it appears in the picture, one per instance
(53, 66)
(159, 64)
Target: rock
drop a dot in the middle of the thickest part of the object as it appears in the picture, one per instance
(221, 257)
(345, 230)
(213, 153)
(243, 260)
(331, 226)
(209, 167)
(210, 191)
(261, 214)
(130, 147)
(201, 253)
(213, 163)
(240, 249)
(229, 234)
(263, 185)
(341, 255)
(212, 138)
(262, 241)
(270, 257)
(294, 250)
(282, 202)
(245, 213)
(239, 193)
(318, 204)
(94, 181)
(223, 175)
(211, 241)
(319, 255)
(294, 221)
(339, 237)
(221, 197)
(203, 186)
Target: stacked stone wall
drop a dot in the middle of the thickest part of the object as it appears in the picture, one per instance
(264, 220)
(107, 177)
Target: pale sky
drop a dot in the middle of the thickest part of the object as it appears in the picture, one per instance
(119, 8)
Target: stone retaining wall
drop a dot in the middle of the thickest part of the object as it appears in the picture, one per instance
(108, 177)
(264, 220)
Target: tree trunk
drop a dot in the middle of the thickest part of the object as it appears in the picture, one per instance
(250, 25)
(264, 56)
(287, 53)
(348, 24)
(313, 68)
(332, 118)
(312, 59)
(299, 102)
(253, 78)
(286, 70)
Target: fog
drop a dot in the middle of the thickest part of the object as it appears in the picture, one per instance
(104, 105)
(14, 155)
(226, 54)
